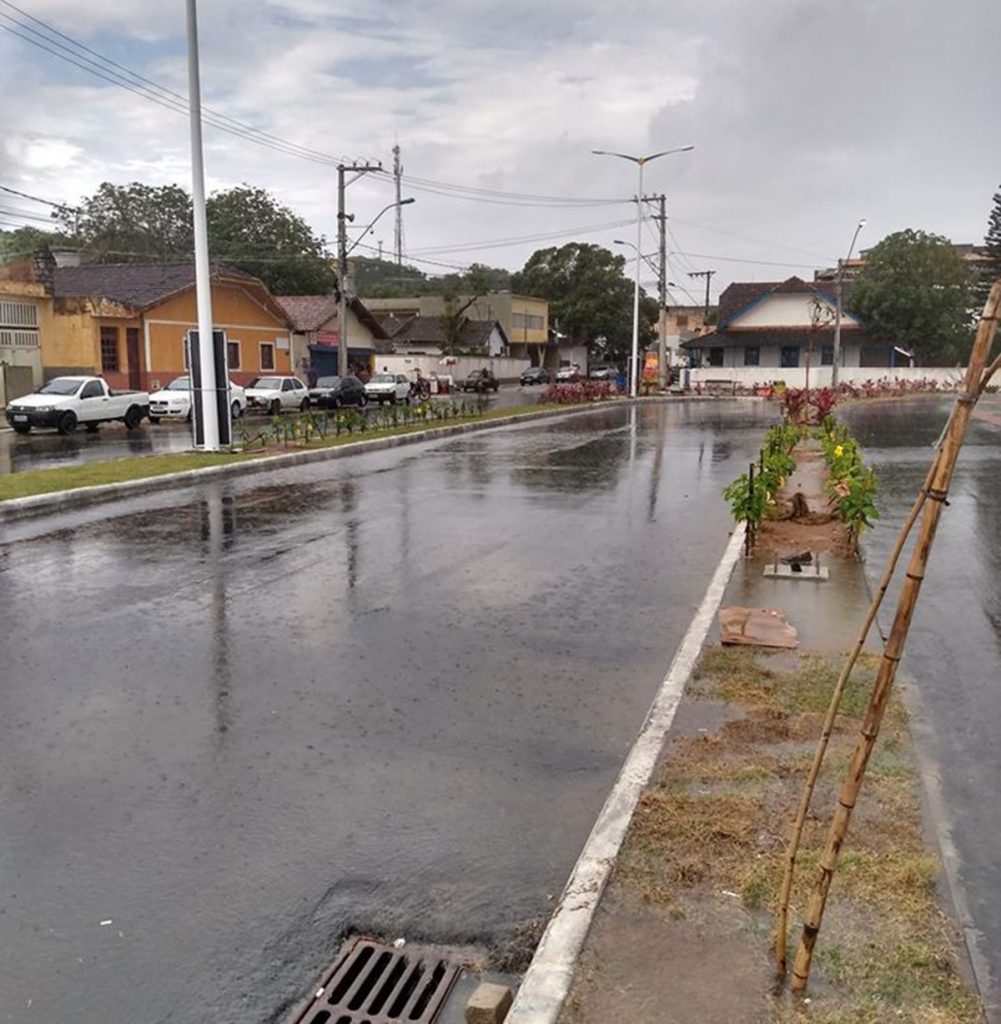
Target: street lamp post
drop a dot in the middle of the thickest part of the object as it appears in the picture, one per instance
(838, 288)
(641, 162)
(207, 407)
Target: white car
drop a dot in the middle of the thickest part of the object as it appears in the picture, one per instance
(568, 374)
(278, 394)
(388, 387)
(174, 401)
(66, 401)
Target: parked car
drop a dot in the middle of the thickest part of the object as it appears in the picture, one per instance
(277, 394)
(174, 401)
(535, 375)
(481, 381)
(388, 387)
(333, 392)
(66, 401)
(603, 371)
(568, 374)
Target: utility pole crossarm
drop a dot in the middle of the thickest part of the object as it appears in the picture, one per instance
(707, 274)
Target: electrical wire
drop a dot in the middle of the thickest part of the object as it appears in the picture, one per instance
(91, 61)
(35, 199)
(163, 97)
(501, 243)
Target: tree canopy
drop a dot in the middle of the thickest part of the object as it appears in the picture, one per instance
(590, 297)
(915, 291)
(248, 229)
(19, 243)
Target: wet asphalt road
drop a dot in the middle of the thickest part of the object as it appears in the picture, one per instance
(388, 693)
(954, 649)
(47, 449)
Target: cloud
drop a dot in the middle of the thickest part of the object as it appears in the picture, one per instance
(804, 117)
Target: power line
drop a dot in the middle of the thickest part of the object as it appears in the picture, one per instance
(35, 199)
(162, 96)
(748, 238)
(472, 190)
(91, 61)
(501, 243)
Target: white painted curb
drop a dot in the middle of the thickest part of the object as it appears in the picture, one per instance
(550, 975)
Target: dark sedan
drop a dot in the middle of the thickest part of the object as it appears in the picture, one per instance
(333, 392)
(535, 375)
(482, 381)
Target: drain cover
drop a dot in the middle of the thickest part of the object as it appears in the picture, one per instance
(376, 984)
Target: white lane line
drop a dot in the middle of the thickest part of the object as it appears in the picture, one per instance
(549, 976)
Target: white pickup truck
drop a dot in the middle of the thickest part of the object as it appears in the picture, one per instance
(66, 401)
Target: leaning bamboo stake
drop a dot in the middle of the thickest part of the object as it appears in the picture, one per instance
(893, 649)
(782, 922)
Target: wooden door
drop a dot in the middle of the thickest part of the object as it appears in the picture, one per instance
(132, 356)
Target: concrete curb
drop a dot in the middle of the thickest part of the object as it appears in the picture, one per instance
(79, 497)
(547, 982)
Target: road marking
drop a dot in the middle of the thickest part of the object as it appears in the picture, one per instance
(550, 975)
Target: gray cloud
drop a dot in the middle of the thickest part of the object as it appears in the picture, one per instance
(805, 116)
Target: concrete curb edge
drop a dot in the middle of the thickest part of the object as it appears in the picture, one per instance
(78, 497)
(547, 981)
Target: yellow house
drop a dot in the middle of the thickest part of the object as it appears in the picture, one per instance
(128, 322)
(25, 318)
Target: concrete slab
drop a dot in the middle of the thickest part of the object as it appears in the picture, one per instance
(806, 572)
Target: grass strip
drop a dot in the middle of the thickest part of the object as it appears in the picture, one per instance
(711, 831)
(92, 474)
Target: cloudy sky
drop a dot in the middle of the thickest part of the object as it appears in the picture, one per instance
(805, 115)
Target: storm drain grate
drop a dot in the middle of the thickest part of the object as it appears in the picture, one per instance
(376, 984)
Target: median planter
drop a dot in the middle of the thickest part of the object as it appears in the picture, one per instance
(810, 491)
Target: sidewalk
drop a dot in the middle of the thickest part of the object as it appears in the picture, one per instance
(683, 930)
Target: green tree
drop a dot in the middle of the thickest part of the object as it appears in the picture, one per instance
(375, 278)
(589, 296)
(990, 270)
(132, 223)
(250, 230)
(23, 242)
(915, 291)
(459, 293)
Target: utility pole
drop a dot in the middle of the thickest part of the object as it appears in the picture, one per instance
(707, 274)
(398, 175)
(838, 291)
(661, 219)
(342, 259)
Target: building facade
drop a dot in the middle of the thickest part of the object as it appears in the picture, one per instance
(786, 325)
(129, 322)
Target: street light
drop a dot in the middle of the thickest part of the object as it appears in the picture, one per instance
(342, 269)
(836, 362)
(640, 162)
(385, 209)
(645, 255)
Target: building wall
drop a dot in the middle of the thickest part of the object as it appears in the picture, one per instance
(504, 369)
(792, 310)
(20, 343)
(246, 322)
(525, 319)
(360, 337)
(754, 376)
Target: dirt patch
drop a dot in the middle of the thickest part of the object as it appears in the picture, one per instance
(684, 932)
(801, 518)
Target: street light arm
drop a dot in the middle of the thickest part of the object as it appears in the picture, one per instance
(385, 209)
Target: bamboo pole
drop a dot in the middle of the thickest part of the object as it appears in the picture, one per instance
(782, 918)
(893, 649)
